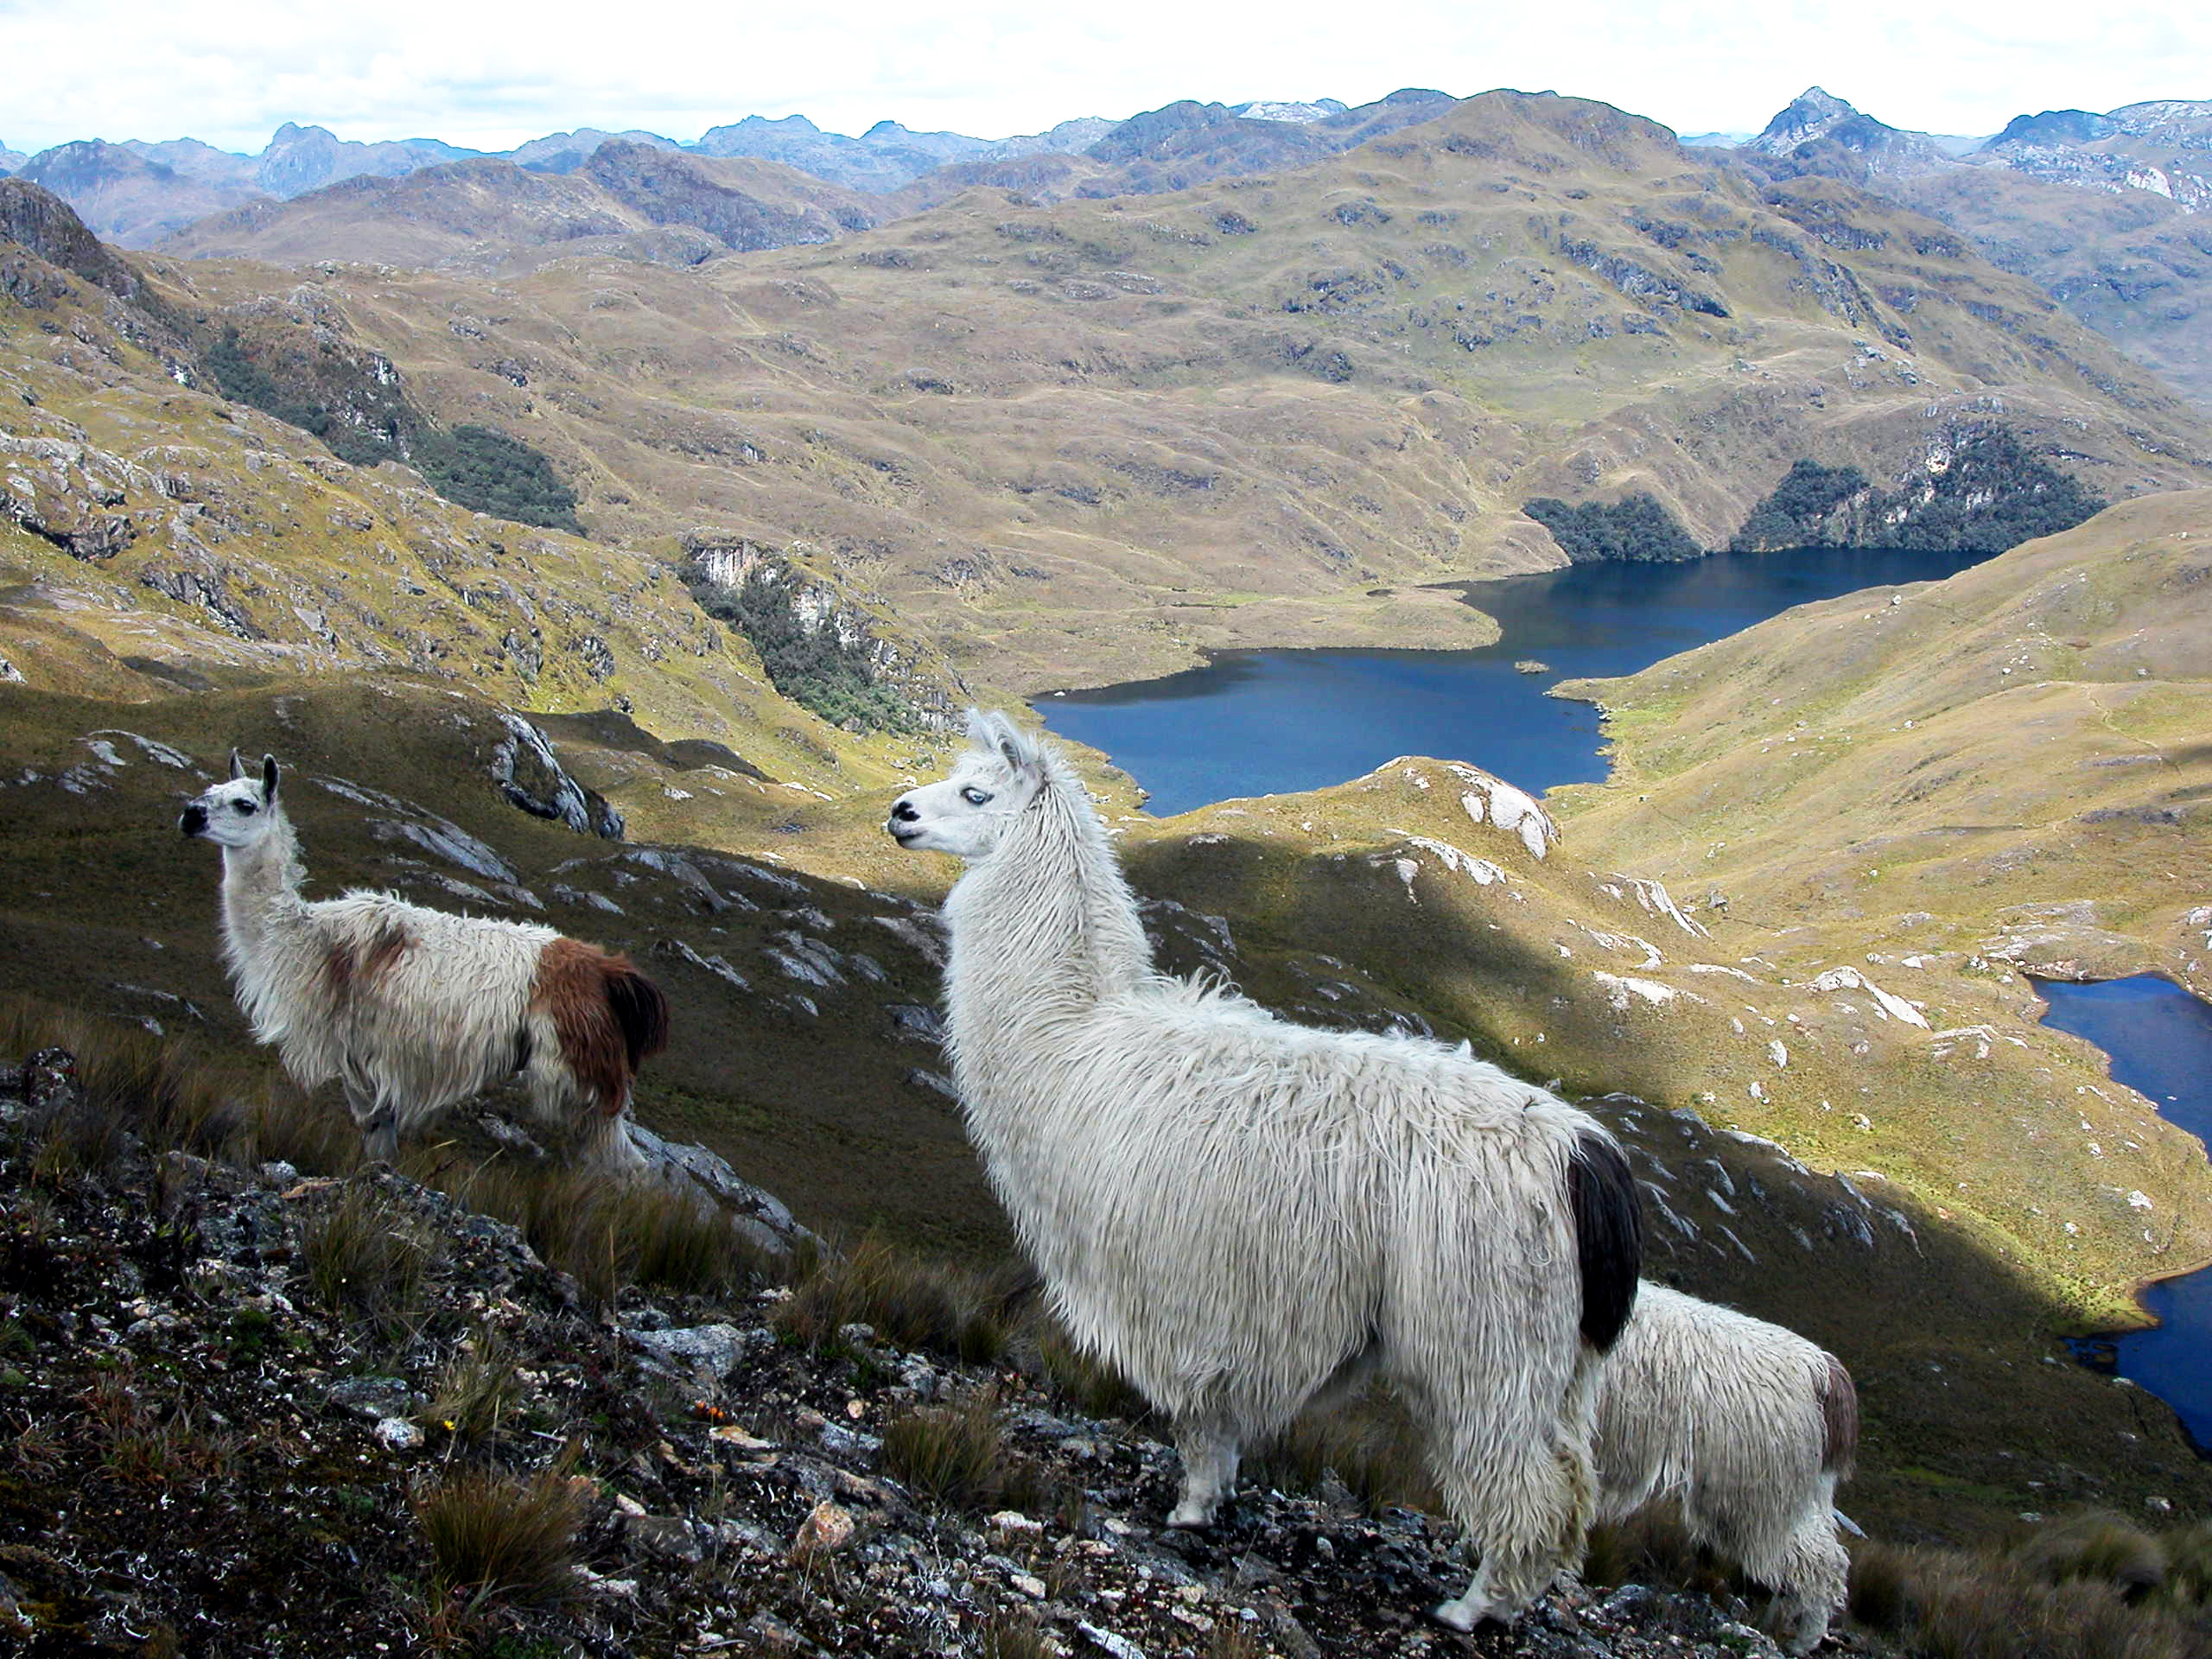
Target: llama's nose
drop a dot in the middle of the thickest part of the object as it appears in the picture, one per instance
(194, 819)
(905, 811)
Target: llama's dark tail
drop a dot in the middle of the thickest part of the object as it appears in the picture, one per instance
(639, 1008)
(1608, 1234)
(1838, 1419)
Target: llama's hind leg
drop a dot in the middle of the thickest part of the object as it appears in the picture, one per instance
(1529, 1509)
(1209, 1455)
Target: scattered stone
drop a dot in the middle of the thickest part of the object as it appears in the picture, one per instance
(826, 1530)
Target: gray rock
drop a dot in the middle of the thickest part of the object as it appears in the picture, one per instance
(710, 1351)
(669, 1538)
(374, 1398)
(532, 778)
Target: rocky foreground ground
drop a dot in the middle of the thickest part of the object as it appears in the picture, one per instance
(246, 1411)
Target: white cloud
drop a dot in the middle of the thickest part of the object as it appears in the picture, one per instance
(491, 74)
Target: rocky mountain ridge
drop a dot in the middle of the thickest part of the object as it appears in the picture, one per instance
(2101, 211)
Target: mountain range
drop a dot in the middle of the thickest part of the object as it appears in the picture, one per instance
(420, 452)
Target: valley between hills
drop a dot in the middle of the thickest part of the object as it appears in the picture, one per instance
(1000, 445)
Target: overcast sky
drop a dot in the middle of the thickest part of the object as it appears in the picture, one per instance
(489, 73)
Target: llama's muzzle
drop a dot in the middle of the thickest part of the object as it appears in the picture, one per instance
(903, 824)
(195, 821)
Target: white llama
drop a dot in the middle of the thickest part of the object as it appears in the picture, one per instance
(415, 1010)
(1750, 1427)
(1243, 1214)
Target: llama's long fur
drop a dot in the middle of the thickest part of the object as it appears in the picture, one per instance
(1241, 1214)
(414, 1010)
(1749, 1427)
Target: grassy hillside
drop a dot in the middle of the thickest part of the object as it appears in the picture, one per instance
(1079, 442)
(802, 970)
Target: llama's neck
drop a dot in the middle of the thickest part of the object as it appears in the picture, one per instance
(261, 891)
(1042, 930)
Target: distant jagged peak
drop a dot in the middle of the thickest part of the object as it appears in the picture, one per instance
(10, 159)
(1817, 116)
(1813, 114)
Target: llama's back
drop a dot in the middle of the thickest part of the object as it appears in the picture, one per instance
(1729, 1412)
(435, 1004)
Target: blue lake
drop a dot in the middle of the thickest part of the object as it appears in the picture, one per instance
(2160, 1040)
(1259, 723)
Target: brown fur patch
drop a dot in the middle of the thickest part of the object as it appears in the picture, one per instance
(344, 968)
(577, 987)
(1838, 1419)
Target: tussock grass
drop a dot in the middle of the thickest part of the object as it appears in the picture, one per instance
(365, 1256)
(1012, 1636)
(478, 1388)
(495, 1536)
(1368, 1444)
(956, 1456)
(1089, 1384)
(609, 1235)
(952, 1313)
(135, 1090)
(1949, 1605)
(2098, 1545)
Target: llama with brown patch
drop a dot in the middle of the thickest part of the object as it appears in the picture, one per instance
(415, 1010)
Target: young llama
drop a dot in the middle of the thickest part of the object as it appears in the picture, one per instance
(1749, 1427)
(1244, 1215)
(415, 1010)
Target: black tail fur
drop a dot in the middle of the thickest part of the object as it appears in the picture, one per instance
(639, 1008)
(1608, 1236)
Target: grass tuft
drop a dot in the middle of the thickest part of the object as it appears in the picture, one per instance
(949, 1312)
(956, 1457)
(478, 1390)
(365, 1256)
(503, 1537)
(2098, 1545)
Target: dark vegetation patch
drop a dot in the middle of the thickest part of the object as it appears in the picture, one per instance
(353, 401)
(1792, 514)
(817, 668)
(1991, 493)
(486, 470)
(1637, 529)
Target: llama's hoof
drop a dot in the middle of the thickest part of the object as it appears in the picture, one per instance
(1460, 1615)
(1191, 1518)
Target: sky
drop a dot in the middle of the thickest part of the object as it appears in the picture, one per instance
(490, 73)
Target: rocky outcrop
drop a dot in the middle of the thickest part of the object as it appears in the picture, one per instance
(810, 632)
(38, 219)
(532, 778)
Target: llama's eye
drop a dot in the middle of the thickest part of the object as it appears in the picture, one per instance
(975, 796)
(242, 806)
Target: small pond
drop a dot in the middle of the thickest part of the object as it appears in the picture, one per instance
(1260, 722)
(2160, 1040)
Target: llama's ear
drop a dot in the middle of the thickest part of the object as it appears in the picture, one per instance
(1017, 748)
(268, 776)
(238, 767)
(980, 734)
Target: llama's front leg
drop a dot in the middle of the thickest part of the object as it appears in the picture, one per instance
(378, 1121)
(1210, 1460)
